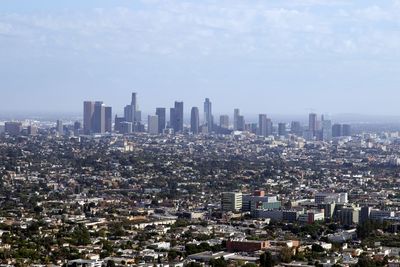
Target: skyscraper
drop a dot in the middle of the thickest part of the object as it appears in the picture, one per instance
(208, 118)
(312, 124)
(270, 127)
(240, 123)
(326, 130)
(295, 128)
(346, 130)
(161, 113)
(282, 129)
(176, 117)
(262, 124)
(88, 111)
(336, 130)
(99, 121)
(224, 121)
(108, 119)
(60, 128)
(152, 124)
(194, 120)
(236, 114)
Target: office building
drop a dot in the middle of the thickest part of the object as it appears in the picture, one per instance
(77, 128)
(88, 111)
(240, 123)
(32, 130)
(126, 127)
(282, 129)
(99, 122)
(176, 117)
(270, 127)
(152, 124)
(194, 120)
(337, 130)
(295, 128)
(346, 130)
(312, 124)
(108, 119)
(13, 127)
(162, 119)
(262, 124)
(236, 114)
(60, 128)
(326, 130)
(208, 118)
(117, 123)
(231, 201)
(224, 121)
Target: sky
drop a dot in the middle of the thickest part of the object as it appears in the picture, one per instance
(269, 56)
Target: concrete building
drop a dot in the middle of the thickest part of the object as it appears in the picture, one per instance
(152, 124)
(231, 201)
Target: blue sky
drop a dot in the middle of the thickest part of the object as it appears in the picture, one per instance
(276, 56)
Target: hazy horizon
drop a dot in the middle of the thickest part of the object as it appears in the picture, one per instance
(276, 57)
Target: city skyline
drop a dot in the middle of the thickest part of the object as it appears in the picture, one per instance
(281, 58)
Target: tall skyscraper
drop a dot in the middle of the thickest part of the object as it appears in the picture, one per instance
(208, 118)
(336, 130)
(295, 128)
(312, 124)
(118, 123)
(88, 111)
(224, 121)
(176, 117)
(326, 130)
(60, 128)
(152, 124)
(194, 120)
(240, 123)
(99, 121)
(270, 127)
(236, 114)
(161, 113)
(262, 124)
(346, 130)
(108, 119)
(282, 129)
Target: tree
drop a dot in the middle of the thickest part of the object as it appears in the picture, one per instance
(266, 260)
(286, 255)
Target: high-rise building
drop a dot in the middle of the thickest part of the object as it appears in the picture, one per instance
(336, 130)
(312, 124)
(231, 201)
(128, 113)
(346, 130)
(60, 128)
(240, 123)
(126, 127)
(194, 120)
(117, 123)
(282, 129)
(224, 121)
(152, 124)
(13, 127)
(236, 114)
(108, 119)
(161, 113)
(88, 111)
(77, 128)
(295, 128)
(326, 130)
(270, 127)
(176, 117)
(208, 118)
(32, 130)
(262, 124)
(99, 122)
